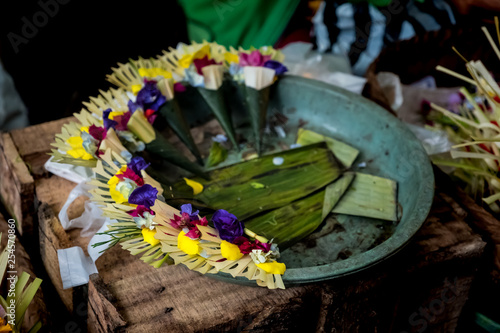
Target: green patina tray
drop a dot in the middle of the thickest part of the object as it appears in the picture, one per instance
(343, 244)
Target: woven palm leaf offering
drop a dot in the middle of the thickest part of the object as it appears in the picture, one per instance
(321, 201)
(153, 85)
(472, 124)
(111, 120)
(204, 66)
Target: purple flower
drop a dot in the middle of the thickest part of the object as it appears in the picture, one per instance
(150, 97)
(108, 122)
(255, 58)
(228, 225)
(277, 66)
(132, 107)
(188, 209)
(137, 164)
(144, 195)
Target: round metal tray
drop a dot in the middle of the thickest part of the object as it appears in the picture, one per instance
(387, 148)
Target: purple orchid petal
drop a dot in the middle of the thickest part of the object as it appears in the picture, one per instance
(228, 225)
(137, 164)
(277, 66)
(150, 97)
(188, 209)
(108, 123)
(132, 107)
(144, 195)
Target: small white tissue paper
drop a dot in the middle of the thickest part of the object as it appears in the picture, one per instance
(91, 219)
(75, 267)
(76, 174)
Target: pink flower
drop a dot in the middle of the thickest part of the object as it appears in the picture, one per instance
(130, 174)
(139, 211)
(255, 58)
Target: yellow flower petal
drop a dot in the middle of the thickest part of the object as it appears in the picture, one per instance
(116, 195)
(202, 52)
(75, 153)
(186, 60)
(113, 114)
(230, 251)
(84, 129)
(5, 326)
(154, 72)
(136, 88)
(197, 187)
(75, 142)
(231, 57)
(273, 267)
(188, 245)
(149, 236)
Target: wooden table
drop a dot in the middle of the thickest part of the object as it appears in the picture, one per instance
(423, 286)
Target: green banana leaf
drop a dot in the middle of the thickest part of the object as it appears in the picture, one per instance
(289, 224)
(370, 196)
(303, 171)
(344, 152)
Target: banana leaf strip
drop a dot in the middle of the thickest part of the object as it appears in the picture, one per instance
(370, 196)
(304, 171)
(289, 224)
(344, 153)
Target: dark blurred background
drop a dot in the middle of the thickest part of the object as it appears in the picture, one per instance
(67, 59)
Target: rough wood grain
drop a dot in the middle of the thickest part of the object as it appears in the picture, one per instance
(103, 316)
(52, 238)
(37, 311)
(16, 185)
(33, 143)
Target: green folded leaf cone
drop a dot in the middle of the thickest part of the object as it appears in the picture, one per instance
(370, 196)
(289, 224)
(257, 102)
(158, 145)
(172, 113)
(218, 154)
(215, 100)
(303, 171)
(161, 147)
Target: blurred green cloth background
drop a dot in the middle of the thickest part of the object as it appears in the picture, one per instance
(238, 22)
